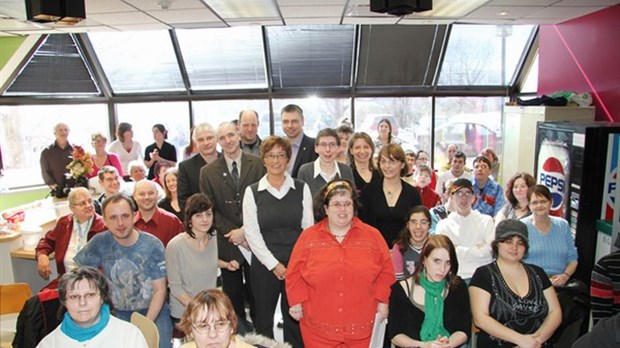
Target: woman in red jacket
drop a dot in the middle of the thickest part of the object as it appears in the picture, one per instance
(69, 235)
(340, 272)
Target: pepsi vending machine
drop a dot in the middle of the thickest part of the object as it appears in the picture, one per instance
(571, 162)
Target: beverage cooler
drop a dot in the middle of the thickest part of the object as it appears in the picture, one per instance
(572, 161)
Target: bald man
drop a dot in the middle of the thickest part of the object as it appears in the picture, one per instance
(248, 131)
(150, 218)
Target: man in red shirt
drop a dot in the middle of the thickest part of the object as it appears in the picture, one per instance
(151, 218)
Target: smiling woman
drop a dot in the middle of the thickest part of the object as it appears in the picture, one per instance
(334, 265)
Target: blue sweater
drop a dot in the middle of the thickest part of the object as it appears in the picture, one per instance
(551, 251)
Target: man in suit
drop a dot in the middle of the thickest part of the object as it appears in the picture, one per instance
(302, 145)
(205, 140)
(225, 181)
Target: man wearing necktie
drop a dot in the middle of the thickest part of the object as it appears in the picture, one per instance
(224, 181)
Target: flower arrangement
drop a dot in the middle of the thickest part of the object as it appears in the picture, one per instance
(81, 165)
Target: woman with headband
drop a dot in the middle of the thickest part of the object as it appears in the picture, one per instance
(339, 275)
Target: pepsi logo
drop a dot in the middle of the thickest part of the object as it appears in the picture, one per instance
(552, 176)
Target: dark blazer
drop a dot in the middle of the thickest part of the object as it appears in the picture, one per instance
(188, 179)
(216, 182)
(306, 154)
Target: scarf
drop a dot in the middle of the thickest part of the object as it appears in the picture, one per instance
(81, 334)
(432, 326)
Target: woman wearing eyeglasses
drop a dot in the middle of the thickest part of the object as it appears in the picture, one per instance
(69, 236)
(191, 256)
(339, 275)
(211, 322)
(407, 248)
(88, 321)
(386, 202)
(275, 211)
(552, 246)
(101, 157)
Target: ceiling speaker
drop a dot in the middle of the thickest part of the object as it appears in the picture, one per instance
(400, 7)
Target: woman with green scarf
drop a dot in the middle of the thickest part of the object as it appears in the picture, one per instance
(85, 295)
(430, 309)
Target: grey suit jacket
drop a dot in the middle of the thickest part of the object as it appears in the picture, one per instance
(216, 182)
(304, 155)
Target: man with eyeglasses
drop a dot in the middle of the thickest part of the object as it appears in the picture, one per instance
(489, 194)
(133, 262)
(69, 235)
(325, 168)
(224, 181)
(302, 145)
(470, 231)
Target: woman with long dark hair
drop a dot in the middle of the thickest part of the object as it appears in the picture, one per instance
(431, 308)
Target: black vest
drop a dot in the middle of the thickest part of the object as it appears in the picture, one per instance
(280, 219)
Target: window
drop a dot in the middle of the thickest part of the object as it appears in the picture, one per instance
(410, 119)
(138, 61)
(311, 56)
(143, 116)
(28, 129)
(56, 68)
(472, 123)
(531, 80)
(216, 112)
(479, 55)
(319, 113)
(224, 58)
(399, 55)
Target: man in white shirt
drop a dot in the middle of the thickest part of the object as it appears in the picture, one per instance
(325, 168)
(457, 171)
(470, 231)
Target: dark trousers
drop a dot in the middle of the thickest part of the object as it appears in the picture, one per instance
(238, 292)
(267, 288)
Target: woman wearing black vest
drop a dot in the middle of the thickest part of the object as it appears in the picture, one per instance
(275, 211)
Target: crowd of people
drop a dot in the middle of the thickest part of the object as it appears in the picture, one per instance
(343, 230)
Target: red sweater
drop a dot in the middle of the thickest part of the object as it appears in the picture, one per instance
(57, 240)
(430, 198)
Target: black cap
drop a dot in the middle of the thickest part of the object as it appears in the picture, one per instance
(461, 183)
(509, 228)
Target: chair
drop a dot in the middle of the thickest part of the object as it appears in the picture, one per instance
(148, 329)
(13, 297)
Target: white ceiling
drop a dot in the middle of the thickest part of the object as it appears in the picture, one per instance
(127, 15)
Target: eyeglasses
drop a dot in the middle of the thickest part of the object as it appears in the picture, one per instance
(463, 194)
(422, 222)
(219, 326)
(276, 156)
(539, 202)
(339, 205)
(328, 145)
(75, 298)
(83, 204)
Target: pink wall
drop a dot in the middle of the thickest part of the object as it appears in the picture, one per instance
(583, 55)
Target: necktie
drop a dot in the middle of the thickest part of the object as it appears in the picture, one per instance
(235, 173)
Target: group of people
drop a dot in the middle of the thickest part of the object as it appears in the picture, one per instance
(310, 222)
